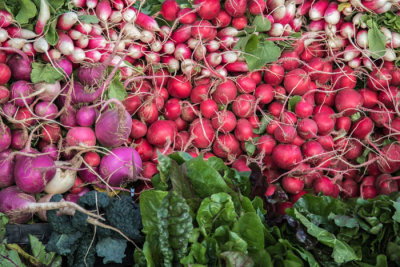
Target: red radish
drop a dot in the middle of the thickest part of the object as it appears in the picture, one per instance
(297, 82)
(172, 109)
(324, 122)
(348, 101)
(381, 116)
(202, 133)
(225, 92)
(289, 118)
(5, 74)
(352, 149)
(286, 156)
(274, 74)
(256, 7)
(290, 60)
(240, 22)
(243, 106)
(209, 9)
(292, 185)
(312, 151)
(303, 109)
(265, 144)
(386, 185)
(202, 29)
(4, 95)
(275, 108)
(139, 129)
(208, 108)
(235, 8)
(307, 129)
(189, 112)
(389, 97)
(264, 93)
(244, 130)
(224, 121)
(144, 149)
(362, 128)
(285, 133)
(226, 146)
(281, 208)
(92, 158)
(187, 16)
(179, 87)
(169, 10)
(246, 85)
(370, 97)
(161, 133)
(324, 185)
(149, 169)
(240, 165)
(181, 140)
(222, 20)
(181, 125)
(181, 34)
(81, 136)
(199, 94)
(237, 67)
(390, 162)
(344, 78)
(132, 103)
(145, 21)
(297, 196)
(343, 124)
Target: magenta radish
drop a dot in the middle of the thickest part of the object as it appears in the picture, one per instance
(286, 156)
(285, 133)
(21, 92)
(297, 82)
(235, 8)
(81, 136)
(6, 168)
(122, 164)
(13, 199)
(243, 106)
(244, 130)
(169, 10)
(46, 110)
(226, 146)
(390, 162)
(224, 121)
(318, 9)
(20, 67)
(348, 101)
(307, 129)
(325, 186)
(208, 108)
(209, 9)
(303, 109)
(66, 21)
(343, 124)
(292, 185)
(202, 133)
(161, 133)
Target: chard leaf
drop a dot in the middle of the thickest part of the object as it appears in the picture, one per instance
(9, 257)
(40, 253)
(150, 203)
(236, 258)
(45, 73)
(250, 228)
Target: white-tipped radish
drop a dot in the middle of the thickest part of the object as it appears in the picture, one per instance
(44, 16)
(65, 44)
(116, 16)
(3, 35)
(355, 63)
(16, 43)
(131, 31)
(103, 10)
(29, 50)
(388, 34)
(316, 26)
(347, 11)
(362, 39)
(330, 30)
(390, 55)
(182, 52)
(192, 43)
(213, 46)
(332, 14)
(214, 59)
(395, 40)
(83, 27)
(147, 36)
(367, 63)
(318, 9)
(91, 3)
(16, 32)
(129, 15)
(296, 24)
(229, 57)
(82, 42)
(67, 20)
(347, 30)
(152, 57)
(168, 47)
(78, 3)
(188, 66)
(77, 56)
(279, 13)
(228, 31)
(156, 46)
(350, 53)
(41, 45)
(136, 51)
(171, 62)
(74, 34)
(276, 30)
(385, 8)
(93, 56)
(357, 21)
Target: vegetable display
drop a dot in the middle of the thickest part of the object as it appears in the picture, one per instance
(122, 96)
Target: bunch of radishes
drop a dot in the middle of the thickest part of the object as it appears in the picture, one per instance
(324, 117)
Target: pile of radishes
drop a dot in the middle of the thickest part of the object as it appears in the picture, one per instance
(324, 117)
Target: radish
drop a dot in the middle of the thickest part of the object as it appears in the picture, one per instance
(370, 97)
(286, 156)
(224, 121)
(318, 9)
(209, 9)
(20, 67)
(379, 79)
(303, 109)
(332, 15)
(225, 92)
(161, 133)
(222, 20)
(285, 133)
(296, 82)
(389, 163)
(12, 199)
(208, 108)
(172, 109)
(187, 16)
(202, 132)
(362, 128)
(244, 130)
(226, 146)
(292, 185)
(181, 140)
(348, 101)
(307, 129)
(66, 21)
(44, 16)
(243, 105)
(86, 116)
(326, 186)
(21, 92)
(103, 10)
(386, 185)
(46, 110)
(63, 180)
(179, 87)
(235, 8)
(81, 136)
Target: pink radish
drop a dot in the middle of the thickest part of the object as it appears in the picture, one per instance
(44, 16)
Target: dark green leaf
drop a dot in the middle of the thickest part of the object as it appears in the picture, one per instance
(205, 180)
(45, 73)
(51, 34)
(164, 164)
(40, 253)
(217, 163)
(150, 203)
(252, 44)
(293, 102)
(3, 222)
(343, 220)
(236, 259)
(56, 4)
(27, 10)
(266, 52)
(180, 183)
(88, 19)
(250, 228)
(262, 23)
(376, 42)
(113, 250)
(250, 148)
(180, 157)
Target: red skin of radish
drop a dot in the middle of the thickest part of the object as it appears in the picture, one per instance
(222, 20)
(139, 129)
(286, 156)
(224, 121)
(256, 7)
(246, 85)
(285, 133)
(396, 128)
(324, 122)
(298, 141)
(325, 186)
(5, 73)
(244, 130)
(148, 112)
(4, 94)
(344, 78)
(199, 94)
(379, 79)
(3, 57)
(92, 158)
(5, 137)
(395, 76)
(256, 76)
(169, 10)
(297, 196)
(254, 121)
(189, 112)
(348, 100)
(373, 168)
(368, 192)
(390, 97)
(292, 185)
(386, 185)
(352, 148)
(370, 97)
(181, 34)
(81, 136)
(187, 16)
(209, 9)
(239, 23)
(132, 103)
(19, 139)
(297, 82)
(307, 129)
(275, 109)
(264, 93)
(226, 146)
(350, 188)
(51, 133)
(314, 68)
(172, 109)
(208, 108)
(149, 169)
(243, 106)
(241, 165)
(266, 144)
(303, 109)
(160, 133)
(271, 127)
(20, 90)
(274, 74)
(281, 207)
(343, 124)
(235, 8)
(181, 139)
(390, 163)
(290, 60)
(179, 87)
(325, 98)
(202, 29)
(381, 116)
(181, 125)
(289, 118)
(143, 147)
(225, 92)
(362, 128)
(314, 151)
(323, 109)
(202, 132)
(25, 117)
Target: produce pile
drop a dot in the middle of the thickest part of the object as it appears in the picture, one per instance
(94, 93)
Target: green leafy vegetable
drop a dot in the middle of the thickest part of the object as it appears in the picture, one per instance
(45, 73)
(266, 52)
(51, 34)
(88, 19)
(293, 102)
(262, 24)
(113, 250)
(376, 42)
(27, 10)
(116, 89)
